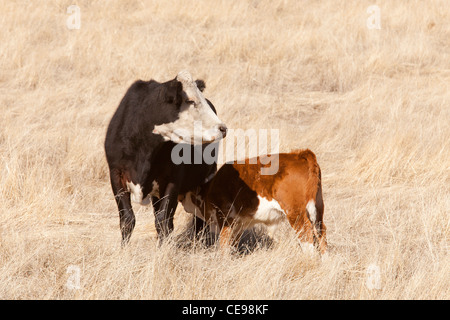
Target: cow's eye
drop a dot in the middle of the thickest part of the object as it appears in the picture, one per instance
(190, 102)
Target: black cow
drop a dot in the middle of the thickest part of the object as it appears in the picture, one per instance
(151, 118)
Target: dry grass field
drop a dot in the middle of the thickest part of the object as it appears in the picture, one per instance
(373, 104)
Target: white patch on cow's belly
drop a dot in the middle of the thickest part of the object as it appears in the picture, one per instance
(135, 192)
(268, 212)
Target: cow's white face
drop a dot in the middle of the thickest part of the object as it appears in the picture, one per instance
(196, 123)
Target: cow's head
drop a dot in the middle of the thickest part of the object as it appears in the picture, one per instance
(189, 117)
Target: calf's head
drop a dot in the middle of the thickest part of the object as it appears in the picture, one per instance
(188, 116)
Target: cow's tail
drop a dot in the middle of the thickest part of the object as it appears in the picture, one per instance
(315, 205)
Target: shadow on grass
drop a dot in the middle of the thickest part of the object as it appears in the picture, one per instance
(251, 240)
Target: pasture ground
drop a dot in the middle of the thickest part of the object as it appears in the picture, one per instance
(373, 104)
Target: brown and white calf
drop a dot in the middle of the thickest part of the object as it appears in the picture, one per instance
(239, 197)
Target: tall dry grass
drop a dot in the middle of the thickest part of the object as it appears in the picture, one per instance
(374, 105)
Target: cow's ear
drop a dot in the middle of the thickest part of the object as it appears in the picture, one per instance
(171, 92)
(200, 84)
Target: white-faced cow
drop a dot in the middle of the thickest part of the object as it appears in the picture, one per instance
(151, 118)
(239, 196)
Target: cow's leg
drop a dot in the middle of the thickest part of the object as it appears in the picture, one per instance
(165, 210)
(122, 196)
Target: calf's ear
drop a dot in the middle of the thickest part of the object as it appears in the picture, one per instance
(200, 85)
